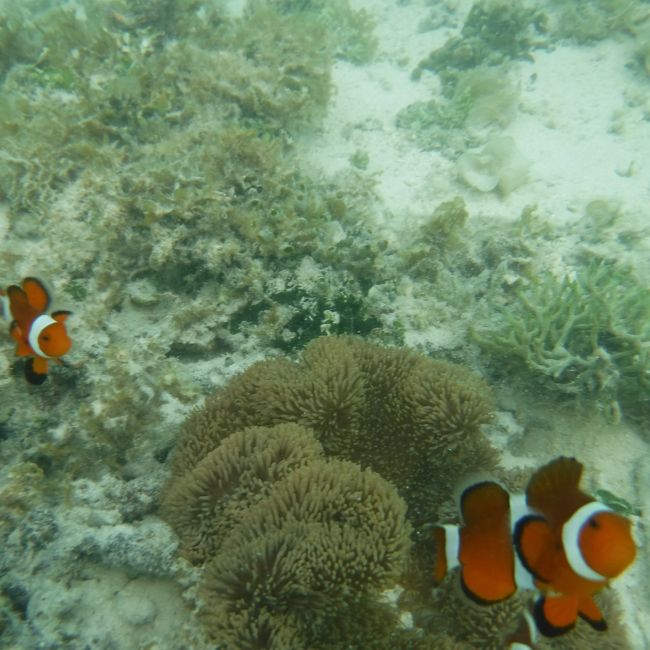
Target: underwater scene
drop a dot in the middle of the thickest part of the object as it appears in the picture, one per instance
(326, 324)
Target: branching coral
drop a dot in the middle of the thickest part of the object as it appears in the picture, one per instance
(588, 334)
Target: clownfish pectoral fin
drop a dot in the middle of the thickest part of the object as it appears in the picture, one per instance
(22, 349)
(36, 370)
(445, 540)
(590, 612)
(37, 295)
(555, 615)
(554, 489)
(486, 554)
(532, 537)
(61, 315)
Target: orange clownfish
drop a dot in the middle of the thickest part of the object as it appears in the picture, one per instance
(554, 540)
(40, 337)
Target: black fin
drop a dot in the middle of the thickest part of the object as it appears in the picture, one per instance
(473, 597)
(599, 625)
(470, 594)
(543, 625)
(33, 377)
(516, 540)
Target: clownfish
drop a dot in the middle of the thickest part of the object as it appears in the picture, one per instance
(554, 540)
(40, 337)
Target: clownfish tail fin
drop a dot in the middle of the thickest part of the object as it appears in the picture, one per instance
(446, 541)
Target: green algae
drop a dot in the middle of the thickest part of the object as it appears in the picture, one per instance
(596, 20)
(160, 141)
(494, 32)
(350, 31)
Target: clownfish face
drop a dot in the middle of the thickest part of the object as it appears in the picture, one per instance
(53, 340)
(606, 543)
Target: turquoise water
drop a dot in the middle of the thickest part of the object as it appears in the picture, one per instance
(208, 184)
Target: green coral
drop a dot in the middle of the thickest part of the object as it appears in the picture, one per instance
(587, 334)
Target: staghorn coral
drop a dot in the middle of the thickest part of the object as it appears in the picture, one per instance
(582, 335)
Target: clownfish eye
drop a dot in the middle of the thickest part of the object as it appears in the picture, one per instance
(592, 522)
(45, 337)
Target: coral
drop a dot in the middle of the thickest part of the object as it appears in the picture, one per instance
(439, 242)
(582, 335)
(350, 32)
(165, 153)
(25, 484)
(499, 165)
(597, 20)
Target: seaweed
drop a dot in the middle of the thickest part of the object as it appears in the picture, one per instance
(596, 20)
(480, 98)
(349, 31)
(494, 32)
